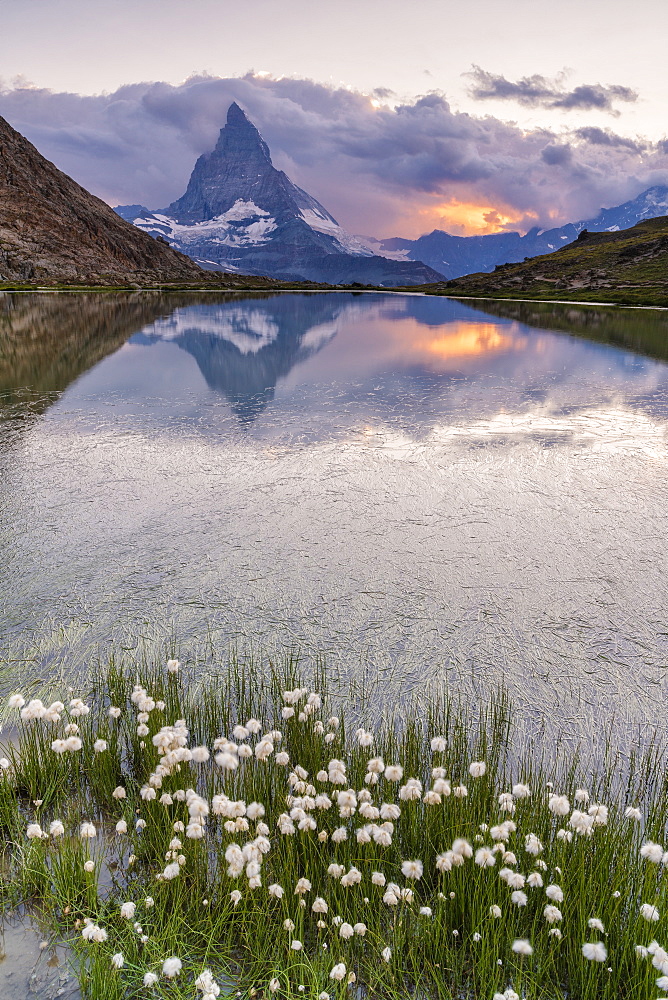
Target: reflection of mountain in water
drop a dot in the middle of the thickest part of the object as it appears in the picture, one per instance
(49, 340)
(244, 347)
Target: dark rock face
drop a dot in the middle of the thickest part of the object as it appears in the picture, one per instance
(240, 214)
(455, 256)
(53, 230)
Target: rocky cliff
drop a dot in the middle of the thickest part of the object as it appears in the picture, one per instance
(54, 231)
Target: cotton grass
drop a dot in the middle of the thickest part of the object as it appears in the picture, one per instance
(258, 840)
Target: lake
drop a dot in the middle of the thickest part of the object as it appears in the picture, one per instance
(418, 489)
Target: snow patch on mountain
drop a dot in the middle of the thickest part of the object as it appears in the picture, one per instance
(376, 247)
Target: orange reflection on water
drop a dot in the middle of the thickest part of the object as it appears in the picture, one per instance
(463, 339)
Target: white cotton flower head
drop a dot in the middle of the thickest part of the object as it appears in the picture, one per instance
(506, 802)
(552, 913)
(119, 792)
(595, 951)
(477, 768)
(200, 755)
(439, 744)
(335, 870)
(207, 985)
(150, 979)
(652, 852)
(393, 772)
(462, 847)
(581, 796)
(649, 912)
(16, 701)
(87, 831)
(364, 737)
(346, 931)
(128, 910)
(386, 954)
(338, 973)
(117, 960)
(56, 828)
(390, 811)
(535, 880)
(412, 869)
(360, 929)
(485, 857)
(514, 880)
(319, 905)
(596, 925)
(89, 866)
(598, 813)
(122, 826)
(519, 898)
(555, 893)
(296, 945)
(559, 805)
(99, 746)
(173, 666)
(460, 791)
(377, 878)
(632, 812)
(522, 947)
(521, 791)
(352, 877)
(95, 933)
(303, 885)
(495, 911)
(532, 844)
(171, 967)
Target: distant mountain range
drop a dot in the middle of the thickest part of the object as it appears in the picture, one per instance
(454, 256)
(240, 214)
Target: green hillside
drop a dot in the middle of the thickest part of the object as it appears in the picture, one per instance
(628, 266)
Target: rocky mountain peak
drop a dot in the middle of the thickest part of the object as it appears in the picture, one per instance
(239, 213)
(239, 168)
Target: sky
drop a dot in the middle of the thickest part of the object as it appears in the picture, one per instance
(400, 116)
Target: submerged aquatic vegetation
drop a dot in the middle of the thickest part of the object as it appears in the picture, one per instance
(241, 835)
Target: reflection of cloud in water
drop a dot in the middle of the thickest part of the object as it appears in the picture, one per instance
(602, 429)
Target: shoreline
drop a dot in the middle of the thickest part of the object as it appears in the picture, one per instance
(99, 289)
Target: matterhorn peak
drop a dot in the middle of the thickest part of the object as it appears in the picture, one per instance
(237, 116)
(240, 213)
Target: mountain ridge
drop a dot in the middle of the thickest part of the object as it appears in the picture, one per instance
(52, 229)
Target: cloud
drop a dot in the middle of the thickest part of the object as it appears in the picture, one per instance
(604, 137)
(540, 92)
(381, 170)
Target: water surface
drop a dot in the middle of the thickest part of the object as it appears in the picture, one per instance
(415, 487)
